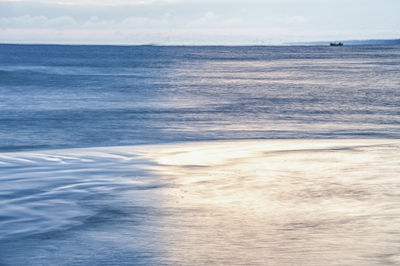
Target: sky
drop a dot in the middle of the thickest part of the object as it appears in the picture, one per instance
(196, 22)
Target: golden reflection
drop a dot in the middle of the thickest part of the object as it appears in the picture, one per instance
(279, 201)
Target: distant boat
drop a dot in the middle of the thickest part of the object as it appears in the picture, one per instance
(336, 44)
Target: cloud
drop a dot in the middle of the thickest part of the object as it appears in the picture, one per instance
(206, 18)
(296, 19)
(153, 2)
(37, 22)
(171, 21)
(105, 2)
(211, 20)
(91, 23)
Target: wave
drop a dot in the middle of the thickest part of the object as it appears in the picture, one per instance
(37, 185)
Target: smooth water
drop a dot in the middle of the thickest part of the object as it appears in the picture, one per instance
(82, 96)
(272, 202)
(251, 155)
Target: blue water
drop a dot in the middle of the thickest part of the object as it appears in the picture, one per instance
(253, 155)
(82, 96)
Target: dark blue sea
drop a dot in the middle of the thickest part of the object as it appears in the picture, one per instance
(199, 155)
(82, 96)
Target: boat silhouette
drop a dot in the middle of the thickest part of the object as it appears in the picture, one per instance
(336, 44)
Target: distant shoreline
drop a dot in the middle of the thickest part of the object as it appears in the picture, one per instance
(322, 43)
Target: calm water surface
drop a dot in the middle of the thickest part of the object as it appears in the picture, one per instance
(252, 155)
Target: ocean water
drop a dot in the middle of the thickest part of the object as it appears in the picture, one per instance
(84, 96)
(152, 155)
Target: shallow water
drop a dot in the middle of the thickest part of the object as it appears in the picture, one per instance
(276, 202)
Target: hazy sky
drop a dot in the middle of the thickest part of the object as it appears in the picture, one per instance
(196, 21)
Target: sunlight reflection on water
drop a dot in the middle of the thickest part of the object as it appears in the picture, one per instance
(273, 202)
(281, 202)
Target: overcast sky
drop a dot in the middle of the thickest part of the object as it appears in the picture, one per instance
(196, 21)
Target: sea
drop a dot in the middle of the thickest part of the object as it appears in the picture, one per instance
(199, 155)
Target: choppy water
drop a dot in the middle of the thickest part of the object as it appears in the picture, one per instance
(80, 96)
(296, 200)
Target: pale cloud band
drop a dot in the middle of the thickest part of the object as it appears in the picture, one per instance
(195, 22)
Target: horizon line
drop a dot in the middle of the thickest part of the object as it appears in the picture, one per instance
(352, 42)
